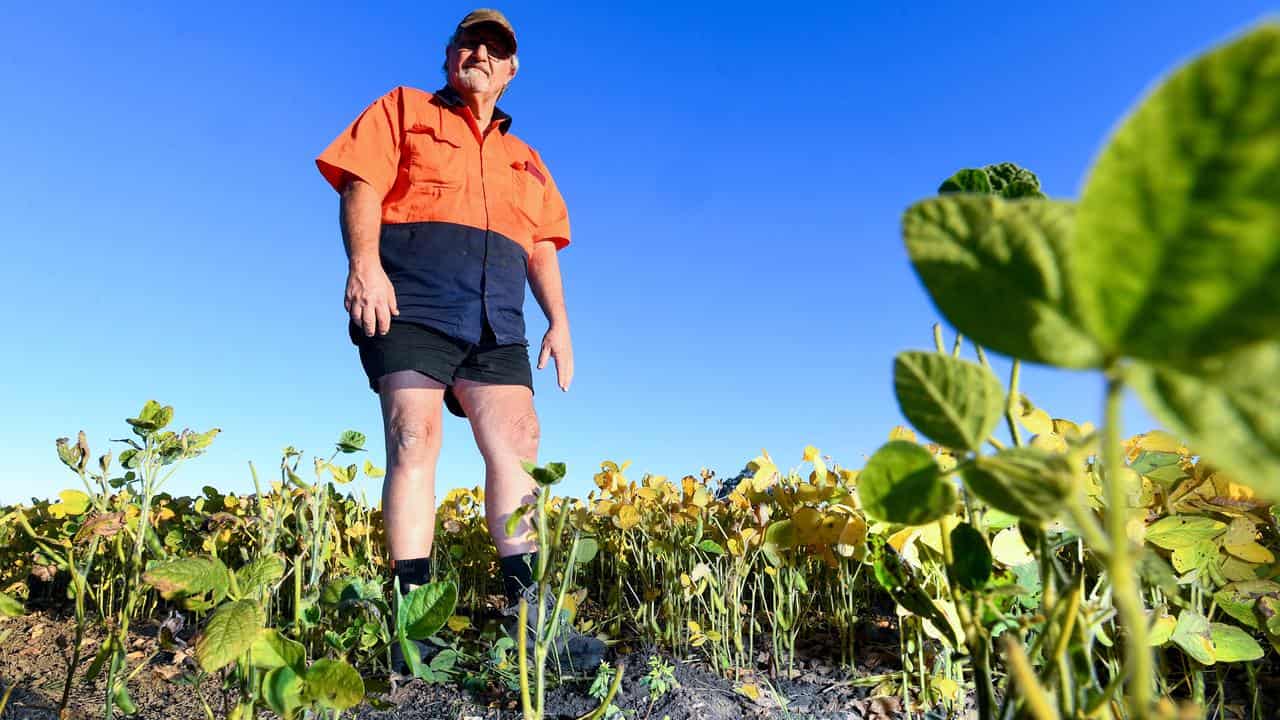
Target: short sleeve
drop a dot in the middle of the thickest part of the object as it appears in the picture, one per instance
(370, 147)
(554, 225)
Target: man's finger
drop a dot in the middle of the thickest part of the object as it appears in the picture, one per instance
(564, 372)
(542, 356)
(368, 320)
(384, 318)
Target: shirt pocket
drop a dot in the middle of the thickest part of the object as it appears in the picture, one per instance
(433, 158)
(529, 184)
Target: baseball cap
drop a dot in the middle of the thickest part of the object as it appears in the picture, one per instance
(488, 15)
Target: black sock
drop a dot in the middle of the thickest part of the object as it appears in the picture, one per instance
(414, 571)
(517, 574)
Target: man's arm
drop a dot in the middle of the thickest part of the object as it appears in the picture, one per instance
(369, 298)
(548, 290)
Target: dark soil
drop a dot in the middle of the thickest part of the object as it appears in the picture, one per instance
(34, 651)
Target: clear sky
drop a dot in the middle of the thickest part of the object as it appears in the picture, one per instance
(735, 174)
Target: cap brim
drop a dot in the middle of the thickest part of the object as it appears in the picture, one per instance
(506, 32)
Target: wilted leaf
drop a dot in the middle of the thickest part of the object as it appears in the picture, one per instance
(190, 577)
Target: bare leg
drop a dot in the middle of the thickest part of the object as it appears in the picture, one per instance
(506, 431)
(411, 417)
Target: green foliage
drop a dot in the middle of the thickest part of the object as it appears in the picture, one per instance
(951, 401)
(901, 483)
(1005, 180)
(996, 270)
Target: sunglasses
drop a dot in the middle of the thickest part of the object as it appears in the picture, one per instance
(496, 48)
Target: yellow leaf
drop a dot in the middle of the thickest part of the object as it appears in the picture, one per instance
(1160, 441)
(73, 503)
(1008, 548)
(714, 635)
(627, 517)
(810, 453)
(770, 571)
(1250, 552)
(852, 537)
(1051, 442)
(750, 690)
(694, 627)
(949, 688)
(1241, 531)
(901, 432)
(458, 623)
(1037, 421)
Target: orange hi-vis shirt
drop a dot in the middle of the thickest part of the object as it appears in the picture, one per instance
(461, 209)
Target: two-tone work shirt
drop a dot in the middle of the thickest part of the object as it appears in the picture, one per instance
(462, 209)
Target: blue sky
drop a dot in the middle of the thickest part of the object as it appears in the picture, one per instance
(734, 176)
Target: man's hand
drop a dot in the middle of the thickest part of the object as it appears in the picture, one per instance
(556, 344)
(370, 299)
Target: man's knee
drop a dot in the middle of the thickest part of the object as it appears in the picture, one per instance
(524, 433)
(408, 437)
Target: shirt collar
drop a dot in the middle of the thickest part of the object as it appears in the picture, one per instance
(451, 98)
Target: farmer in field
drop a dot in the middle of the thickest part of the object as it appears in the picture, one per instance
(444, 215)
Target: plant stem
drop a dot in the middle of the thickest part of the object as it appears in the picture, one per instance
(1120, 561)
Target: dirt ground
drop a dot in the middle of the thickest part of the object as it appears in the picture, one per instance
(34, 651)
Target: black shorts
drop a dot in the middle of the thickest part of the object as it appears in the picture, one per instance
(411, 346)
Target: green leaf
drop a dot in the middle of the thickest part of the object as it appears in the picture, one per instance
(901, 483)
(1193, 636)
(152, 418)
(1179, 228)
(427, 609)
(259, 574)
(231, 630)
(513, 520)
(972, 565)
(953, 402)
(1240, 598)
(1183, 531)
(334, 684)
(1028, 482)
(349, 589)
(271, 650)
(282, 688)
(711, 547)
(970, 180)
(587, 549)
(190, 577)
(1231, 644)
(996, 270)
(1228, 410)
(351, 441)
(11, 606)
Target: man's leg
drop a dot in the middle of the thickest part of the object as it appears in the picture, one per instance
(412, 419)
(506, 431)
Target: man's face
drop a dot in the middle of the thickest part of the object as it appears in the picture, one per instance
(480, 61)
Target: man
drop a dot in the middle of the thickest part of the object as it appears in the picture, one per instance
(444, 215)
